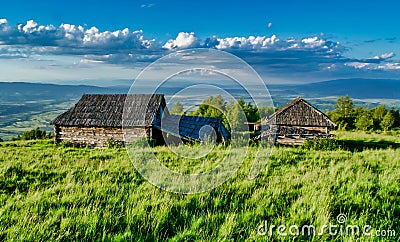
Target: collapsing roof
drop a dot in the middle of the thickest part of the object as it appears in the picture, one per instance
(194, 127)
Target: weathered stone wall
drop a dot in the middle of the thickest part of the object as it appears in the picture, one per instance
(97, 136)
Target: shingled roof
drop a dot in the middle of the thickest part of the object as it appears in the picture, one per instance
(190, 127)
(300, 113)
(107, 110)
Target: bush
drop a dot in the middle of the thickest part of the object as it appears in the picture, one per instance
(15, 138)
(321, 144)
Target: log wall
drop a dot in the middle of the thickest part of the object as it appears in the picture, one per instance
(289, 135)
(97, 136)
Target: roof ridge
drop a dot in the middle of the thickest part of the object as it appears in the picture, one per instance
(295, 101)
(288, 105)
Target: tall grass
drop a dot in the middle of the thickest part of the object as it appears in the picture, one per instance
(58, 193)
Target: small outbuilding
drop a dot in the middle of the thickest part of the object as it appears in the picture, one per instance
(296, 121)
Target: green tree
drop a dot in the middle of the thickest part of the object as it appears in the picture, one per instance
(212, 107)
(264, 112)
(343, 115)
(177, 108)
(345, 107)
(235, 116)
(33, 134)
(396, 115)
(378, 113)
(387, 121)
(364, 120)
(250, 111)
(1, 140)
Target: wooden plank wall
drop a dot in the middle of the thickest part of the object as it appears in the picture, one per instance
(97, 136)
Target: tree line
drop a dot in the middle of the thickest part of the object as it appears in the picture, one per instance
(233, 114)
(346, 115)
(33, 134)
(349, 117)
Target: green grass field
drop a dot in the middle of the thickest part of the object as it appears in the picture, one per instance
(61, 193)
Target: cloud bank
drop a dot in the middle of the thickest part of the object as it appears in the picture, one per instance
(269, 54)
(67, 35)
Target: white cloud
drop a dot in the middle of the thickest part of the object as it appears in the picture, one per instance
(357, 65)
(375, 66)
(4, 25)
(29, 27)
(67, 35)
(72, 34)
(390, 66)
(250, 43)
(5, 28)
(260, 43)
(313, 42)
(120, 39)
(384, 56)
(183, 41)
(149, 5)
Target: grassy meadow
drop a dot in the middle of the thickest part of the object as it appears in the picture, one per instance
(61, 193)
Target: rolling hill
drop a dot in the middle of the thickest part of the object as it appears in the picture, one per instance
(28, 105)
(355, 88)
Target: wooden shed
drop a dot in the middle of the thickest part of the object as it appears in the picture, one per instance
(97, 118)
(298, 120)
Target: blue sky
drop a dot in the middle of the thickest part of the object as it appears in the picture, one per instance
(299, 41)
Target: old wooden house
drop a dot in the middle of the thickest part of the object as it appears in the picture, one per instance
(98, 118)
(296, 121)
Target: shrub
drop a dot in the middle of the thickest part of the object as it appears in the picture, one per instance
(321, 144)
(15, 138)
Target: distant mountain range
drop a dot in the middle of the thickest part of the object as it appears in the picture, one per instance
(355, 88)
(23, 91)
